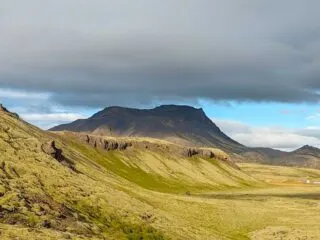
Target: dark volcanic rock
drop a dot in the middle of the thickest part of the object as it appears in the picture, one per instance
(123, 146)
(205, 153)
(190, 152)
(51, 149)
(101, 143)
(5, 110)
(112, 145)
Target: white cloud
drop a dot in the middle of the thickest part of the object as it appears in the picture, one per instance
(16, 94)
(232, 126)
(273, 137)
(49, 120)
(313, 131)
(52, 116)
(316, 116)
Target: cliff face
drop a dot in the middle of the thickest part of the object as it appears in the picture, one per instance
(166, 148)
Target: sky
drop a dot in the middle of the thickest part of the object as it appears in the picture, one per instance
(254, 66)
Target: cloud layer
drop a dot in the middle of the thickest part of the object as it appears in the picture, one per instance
(273, 137)
(96, 53)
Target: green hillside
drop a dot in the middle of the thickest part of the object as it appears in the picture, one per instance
(89, 193)
(102, 195)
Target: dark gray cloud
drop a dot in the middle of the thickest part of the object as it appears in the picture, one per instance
(97, 53)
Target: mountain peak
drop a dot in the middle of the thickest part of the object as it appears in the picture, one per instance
(182, 111)
(174, 122)
(161, 108)
(172, 107)
(308, 148)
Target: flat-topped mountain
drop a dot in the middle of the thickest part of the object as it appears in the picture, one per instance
(183, 124)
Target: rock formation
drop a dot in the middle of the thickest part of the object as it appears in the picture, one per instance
(120, 145)
(51, 149)
(5, 110)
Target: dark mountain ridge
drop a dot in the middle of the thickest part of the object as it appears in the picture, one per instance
(178, 123)
(308, 150)
(306, 156)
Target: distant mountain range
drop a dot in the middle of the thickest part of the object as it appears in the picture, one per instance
(306, 156)
(187, 126)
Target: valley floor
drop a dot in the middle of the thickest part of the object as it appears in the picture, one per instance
(286, 210)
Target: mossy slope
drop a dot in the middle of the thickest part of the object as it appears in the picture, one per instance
(43, 199)
(137, 194)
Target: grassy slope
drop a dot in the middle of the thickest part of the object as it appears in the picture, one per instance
(161, 172)
(42, 199)
(126, 195)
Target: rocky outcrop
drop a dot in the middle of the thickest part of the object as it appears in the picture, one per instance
(56, 153)
(112, 145)
(108, 145)
(190, 152)
(205, 153)
(5, 110)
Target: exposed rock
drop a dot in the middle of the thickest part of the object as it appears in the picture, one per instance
(46, 224)
(3, 109)
(207, 154)
(123, 146)
(147, 217)
(172, 149)
(190, 152)
(101, 143)
(85, 138)
(112, 146)
(51, 149)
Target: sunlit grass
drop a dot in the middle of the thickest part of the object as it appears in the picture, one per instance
(143, 194)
